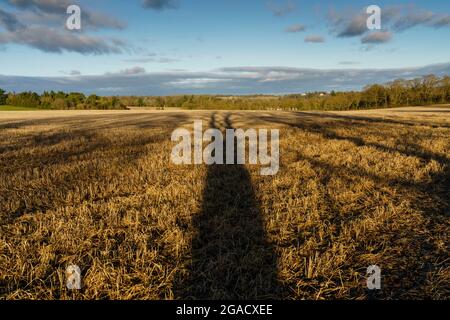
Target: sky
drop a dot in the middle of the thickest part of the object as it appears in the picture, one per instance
(164, 47)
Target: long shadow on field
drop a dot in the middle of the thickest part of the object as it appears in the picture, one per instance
(231, 258)
(311, 124)
(430, 197)
(105, 121)
(436, 189)
(82, 153)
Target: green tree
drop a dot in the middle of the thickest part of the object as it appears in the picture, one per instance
(115, 102)
(92, 101)
(3, 97)
(24, 99)
(160, 103)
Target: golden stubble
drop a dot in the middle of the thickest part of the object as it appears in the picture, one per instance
(98, 190)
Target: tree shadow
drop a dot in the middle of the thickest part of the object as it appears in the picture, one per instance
(79, 151)
(326, 130)
(437, 188)
(231, 257)
(430, 198)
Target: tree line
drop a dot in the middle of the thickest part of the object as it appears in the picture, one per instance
(421, 91)
(60, 101)
(427, 90)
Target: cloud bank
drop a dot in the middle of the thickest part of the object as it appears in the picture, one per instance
(238, 80)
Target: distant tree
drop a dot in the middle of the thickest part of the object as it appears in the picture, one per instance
(115, 102)
(3, 97)
(24, 99)
(60, 104)
(428, 89)
(445, 84)
(92, 101)
(160, 103)
(375, 96)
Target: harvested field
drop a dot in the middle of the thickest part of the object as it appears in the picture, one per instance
(97, 189)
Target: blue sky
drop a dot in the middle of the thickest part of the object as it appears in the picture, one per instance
(218, 46)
